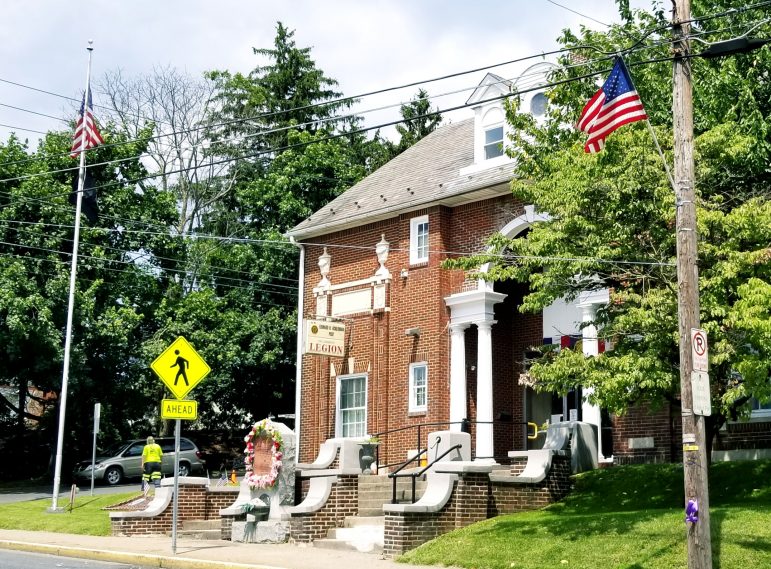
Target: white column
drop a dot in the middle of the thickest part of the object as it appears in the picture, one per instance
(458, 404)
(591, 413)
(484, 442)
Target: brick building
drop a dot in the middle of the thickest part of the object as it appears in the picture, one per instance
(430, 346)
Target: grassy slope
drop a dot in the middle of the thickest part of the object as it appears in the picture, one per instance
(625, 517)
(86, 517)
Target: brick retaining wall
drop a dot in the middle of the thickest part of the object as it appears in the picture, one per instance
(343, 502)
(196, 502)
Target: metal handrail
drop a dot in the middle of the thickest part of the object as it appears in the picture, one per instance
(396, 473)
(383, 436)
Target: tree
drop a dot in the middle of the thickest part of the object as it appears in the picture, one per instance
(116, 287)
(612, 226)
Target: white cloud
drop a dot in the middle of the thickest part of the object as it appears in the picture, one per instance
(364, 44)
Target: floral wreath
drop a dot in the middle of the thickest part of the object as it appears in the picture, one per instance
(263, 430)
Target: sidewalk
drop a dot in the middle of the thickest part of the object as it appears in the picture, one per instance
(155, 551)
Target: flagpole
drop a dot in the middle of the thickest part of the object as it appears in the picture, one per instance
(71, 301)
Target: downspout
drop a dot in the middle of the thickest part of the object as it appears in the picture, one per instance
(299, 356)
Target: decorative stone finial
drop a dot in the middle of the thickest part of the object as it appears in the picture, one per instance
(325, 260)
(381, 250)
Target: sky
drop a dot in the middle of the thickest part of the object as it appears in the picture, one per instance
(366, 45)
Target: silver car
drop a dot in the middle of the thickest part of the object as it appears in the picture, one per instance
(124, 461)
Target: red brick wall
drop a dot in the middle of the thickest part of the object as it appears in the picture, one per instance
(642, 421)
(737, 436)
(343, 502)
(196, 502)
(510, 498)
(377, 341)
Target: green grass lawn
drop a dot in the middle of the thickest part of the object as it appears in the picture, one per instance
(624, 517)
(86, 517)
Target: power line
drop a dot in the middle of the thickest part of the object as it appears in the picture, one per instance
(343, 99)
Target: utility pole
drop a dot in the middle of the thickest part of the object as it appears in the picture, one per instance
(695, 460)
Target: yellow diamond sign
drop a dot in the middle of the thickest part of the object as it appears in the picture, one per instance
(180, 367)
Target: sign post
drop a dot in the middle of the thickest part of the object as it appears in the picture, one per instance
(97, 414)
(181, 368)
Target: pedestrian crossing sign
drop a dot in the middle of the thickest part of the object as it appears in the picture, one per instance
(180, 367)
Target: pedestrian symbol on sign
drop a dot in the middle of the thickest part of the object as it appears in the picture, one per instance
(178, 362)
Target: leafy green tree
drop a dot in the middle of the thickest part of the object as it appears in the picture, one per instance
(419, 120)
(116, 286)
(612, 220)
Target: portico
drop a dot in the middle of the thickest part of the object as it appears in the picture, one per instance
(474, 307)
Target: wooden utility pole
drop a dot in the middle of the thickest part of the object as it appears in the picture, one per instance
(695, 460)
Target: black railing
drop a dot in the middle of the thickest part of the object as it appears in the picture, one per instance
(415, 475)
(465, 427)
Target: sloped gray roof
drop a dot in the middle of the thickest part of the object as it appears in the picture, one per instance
(427, 173)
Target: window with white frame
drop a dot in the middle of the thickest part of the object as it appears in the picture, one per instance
(352, 406)
(493, 142)
(760, 409)
(418, 387)
(419, 240)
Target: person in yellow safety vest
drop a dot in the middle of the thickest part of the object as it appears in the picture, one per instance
(151, 463)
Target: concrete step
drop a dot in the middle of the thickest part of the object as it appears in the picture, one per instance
(200, 534)
(355, 521)
(359, 534)
(201, 524)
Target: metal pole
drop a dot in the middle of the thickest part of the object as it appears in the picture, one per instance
(695, 460)
(175, 509)
(71, 302)
(97, 410)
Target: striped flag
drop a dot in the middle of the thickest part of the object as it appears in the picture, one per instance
(615, 104)
(86, 133)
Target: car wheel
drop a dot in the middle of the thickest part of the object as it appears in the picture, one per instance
(184, 469)
(113, 475)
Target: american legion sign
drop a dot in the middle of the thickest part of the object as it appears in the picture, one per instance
(324, 338)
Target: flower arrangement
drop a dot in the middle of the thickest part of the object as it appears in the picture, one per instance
(266, 431)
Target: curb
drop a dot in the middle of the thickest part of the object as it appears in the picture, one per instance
(161, 561)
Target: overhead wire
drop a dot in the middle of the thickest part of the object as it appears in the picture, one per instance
(308, 123)
(370, 93)
(324, 120)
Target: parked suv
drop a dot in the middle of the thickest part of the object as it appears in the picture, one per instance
(124, 461)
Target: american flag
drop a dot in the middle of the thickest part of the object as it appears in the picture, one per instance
(86, 133)
(145, 488)
(615, 104)
(222, 480)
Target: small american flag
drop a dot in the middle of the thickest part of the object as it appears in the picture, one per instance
(615, 104)
(86, 133)
(145, 488)
(222, 480)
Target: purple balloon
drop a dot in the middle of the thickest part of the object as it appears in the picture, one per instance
(692, 511)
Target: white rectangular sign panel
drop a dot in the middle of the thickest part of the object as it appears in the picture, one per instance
(702, 402)
(324, 338)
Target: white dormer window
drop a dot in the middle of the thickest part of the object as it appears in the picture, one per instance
(493, 142)
(419, 240)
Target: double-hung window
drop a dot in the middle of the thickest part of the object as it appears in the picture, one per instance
(418, 387)
(419, 240)
(493, 142)
(352, 406)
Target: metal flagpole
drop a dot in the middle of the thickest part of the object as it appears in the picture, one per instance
(71, 302)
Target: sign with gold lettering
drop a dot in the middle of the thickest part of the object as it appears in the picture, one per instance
(324, 338)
